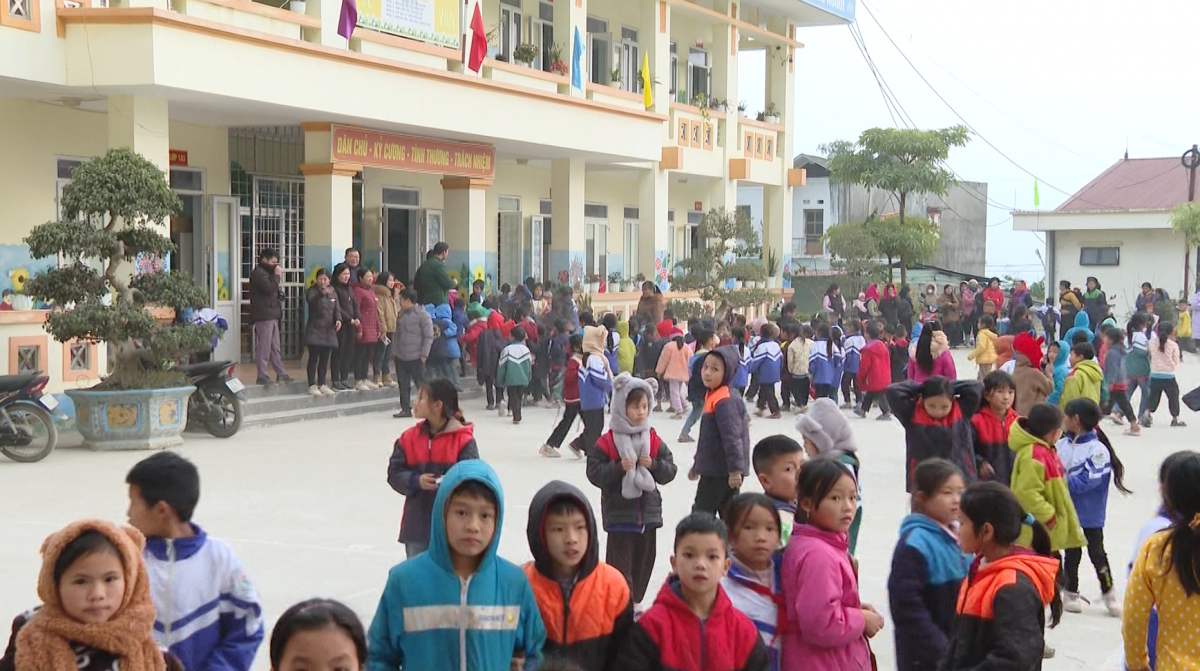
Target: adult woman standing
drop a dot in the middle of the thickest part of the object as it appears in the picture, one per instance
(950, 309)
(1095, 302)
(1068, 307)
(932, 355)
(889, 305)
(343, 357)
(834, 304)
(970, 315)
(368, 339)
(385, 310)
(321, 332)
(905, 308)
(995, 295)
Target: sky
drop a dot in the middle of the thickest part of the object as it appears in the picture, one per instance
(1061, 87)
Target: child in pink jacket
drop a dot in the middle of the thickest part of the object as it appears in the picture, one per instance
(827, 627)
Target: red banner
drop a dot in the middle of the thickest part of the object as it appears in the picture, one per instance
(177, 157)
(414, 154)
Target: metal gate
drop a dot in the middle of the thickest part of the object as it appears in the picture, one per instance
(276, 220)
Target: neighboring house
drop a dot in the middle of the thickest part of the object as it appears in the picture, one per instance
(1117, 229)
(821, 203)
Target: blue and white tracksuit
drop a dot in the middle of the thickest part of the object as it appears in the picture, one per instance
(430, 619)
(765, 362)
(1088, 474)
(206, 610)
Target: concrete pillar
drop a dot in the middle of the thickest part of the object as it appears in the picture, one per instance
(725, 74)
(569, 15)
(654, 235)
(464, 225)
(328, 11)
(781, 90)
(654, 38)
(568, 241)
(328, 201)
(777, 223)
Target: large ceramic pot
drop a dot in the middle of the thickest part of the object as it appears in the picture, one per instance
(143, 419)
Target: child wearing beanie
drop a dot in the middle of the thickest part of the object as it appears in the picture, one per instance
(827, 432)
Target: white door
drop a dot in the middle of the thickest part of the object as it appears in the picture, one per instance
(433, 228)
(509, 260)
(536, 228)
(224, 274)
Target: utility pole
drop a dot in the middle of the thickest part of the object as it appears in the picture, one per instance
(1190, 160)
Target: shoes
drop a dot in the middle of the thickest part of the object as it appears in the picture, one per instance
(361, 385)
(1047, 652)
(1132, 431)
(325, 390)
(775, 415)
(516, 421)
(760, 412)
(798, 410)
(387, 381)
(686, 439)
(377, 381)
(845, 406)
(403, 414)
(285, 378)
(575, 450)
(549, 452)
(860, 412)
(370, 385)
(1112, 604)
(502, 411)
(1177, 422)
(1072, 602)
(338, 386)
(314, 390)
(886, 417)
(1147, 419)
(1117, 419)
(264, 381)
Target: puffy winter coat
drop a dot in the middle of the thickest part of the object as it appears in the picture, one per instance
(991, 442)
(1038, 480)
(604, 470)
(825, 363)
(1084, 381)
(723, 446)
(673, 362)
(385, 308)
(368, 328)
(416, 453)
(948, 438)
(875, 367)
(927, 570)
(264, 295)
(323, 313)
(765, 362)
(1089, 475)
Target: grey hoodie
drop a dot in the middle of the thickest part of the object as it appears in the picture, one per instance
(632, 440)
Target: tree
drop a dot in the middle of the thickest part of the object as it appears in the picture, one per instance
(1185, 220)
(723, 232)
(111, 210)
(911, 242)
(900, 161)
(853, 251)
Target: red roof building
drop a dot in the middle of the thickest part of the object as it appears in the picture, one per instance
(1117, 229)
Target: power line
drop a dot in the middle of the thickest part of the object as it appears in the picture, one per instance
(886, 101)
(857, 32)
(960, 116)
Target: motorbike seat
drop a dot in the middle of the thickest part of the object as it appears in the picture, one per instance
(16, 382)
(204, 368)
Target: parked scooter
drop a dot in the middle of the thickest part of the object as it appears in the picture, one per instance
(27, 431)
(216, 404)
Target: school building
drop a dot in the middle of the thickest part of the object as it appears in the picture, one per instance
(277, 131)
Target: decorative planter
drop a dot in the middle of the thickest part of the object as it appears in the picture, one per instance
(22, 302)
(298, 6)
(738, 284)
(772, 282)
(589, 287)
(143, 419)
(773, 118)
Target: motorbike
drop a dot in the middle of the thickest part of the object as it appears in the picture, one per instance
(27, 431)
(216, 405)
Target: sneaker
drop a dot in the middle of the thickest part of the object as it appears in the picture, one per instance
(1175, 421)
(686, 439)
(798, 411)
(314, 390)
(885, 417)
(575, 450)
(1147, 419)
(403, 414)
(491, 407)
(760, 412)
(860, 413)
(1112, 604)
(845, 406)
(337, 386)
(361, 385)
(1072, 602)
(502, 411)
(1116, 418)
(775, 416)
(549, 452)
(264, 381)
(327, 391)
(516, 421)
(1132, 431)
(1047, 652)
(284, 379)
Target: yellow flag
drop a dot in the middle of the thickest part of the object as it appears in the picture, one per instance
(647, 98)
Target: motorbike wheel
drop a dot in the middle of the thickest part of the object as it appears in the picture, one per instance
(226, 410)
(29, 421)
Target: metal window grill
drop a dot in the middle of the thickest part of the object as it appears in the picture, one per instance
(19, 8)
(29, 359)
(80, 357)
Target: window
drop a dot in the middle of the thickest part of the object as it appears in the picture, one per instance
(545, 206)
(630, 61)
(631, 248)
(79, 357)
(508, 204)
(599, 51)
(408, 198)
(814, 228)
(183, 179)
(595, 211)
(699, 74)
(510, 30)
(745, 211)
(1099, 256)
(29, 359)
(541, 34)
(674, 72)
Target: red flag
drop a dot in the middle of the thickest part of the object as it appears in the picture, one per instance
(478, 42)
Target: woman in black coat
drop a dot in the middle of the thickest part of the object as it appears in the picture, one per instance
(905, 309)
(343, 356)
(321, 331)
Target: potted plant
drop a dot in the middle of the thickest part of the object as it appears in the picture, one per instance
(701, 102)
(557, 65)
(614, 78)
(593, 283)
(525, 53)
(772, 269)
(114, 210)
(614, 281)
(742, 109)
(771, 113)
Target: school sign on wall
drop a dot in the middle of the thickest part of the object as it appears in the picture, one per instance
(435, 21)
(412, 153)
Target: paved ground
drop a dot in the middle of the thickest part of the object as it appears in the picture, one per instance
(308, 509)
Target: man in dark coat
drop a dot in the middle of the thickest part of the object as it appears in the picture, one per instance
(266, 309)
(432, 281)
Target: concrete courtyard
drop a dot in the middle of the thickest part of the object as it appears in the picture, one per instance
(308, 509)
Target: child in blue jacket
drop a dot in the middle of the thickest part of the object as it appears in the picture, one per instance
(419, 622)
(1091, 467)
(445, 352)
(825, 363)
(595, 384)
(852, 345)
(1059, 354)
(765, 361)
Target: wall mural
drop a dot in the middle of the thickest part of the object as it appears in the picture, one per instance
(786, 282)
(576, 269)
(16, 267)
(661, 263)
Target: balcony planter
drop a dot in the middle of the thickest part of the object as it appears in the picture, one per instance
(298, 6)
(772, 282)
(773, 119)
(141, 419)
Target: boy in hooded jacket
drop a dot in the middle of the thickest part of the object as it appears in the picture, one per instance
(631, 522)
(723, 450)
(874, 374)
(1032, 384)
(1039, 478)
(458, 575)
(445, 352)
(1085, 378)
(584, 602)
(1057, 355)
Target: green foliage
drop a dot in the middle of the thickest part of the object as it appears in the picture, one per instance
(912, 241)
(685, 309)
(113, 210)
(853, 251)
(1038, 290)
(1185, 220)
(707, 264)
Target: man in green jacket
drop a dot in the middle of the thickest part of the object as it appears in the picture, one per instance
(432, 282)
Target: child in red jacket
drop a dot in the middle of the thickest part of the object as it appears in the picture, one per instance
(570, 397)
(672, 634)
(991, 425)
(874, 374)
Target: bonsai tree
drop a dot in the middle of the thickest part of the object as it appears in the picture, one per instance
(723, 231)
(112, 211)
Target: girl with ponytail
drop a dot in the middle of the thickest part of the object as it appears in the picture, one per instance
(1002, 604)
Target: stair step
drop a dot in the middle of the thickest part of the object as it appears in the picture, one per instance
(276, 403)
(302, 413)
(268, 409)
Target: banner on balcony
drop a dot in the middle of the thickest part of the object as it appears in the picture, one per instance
(412, 153)
(435, 21)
